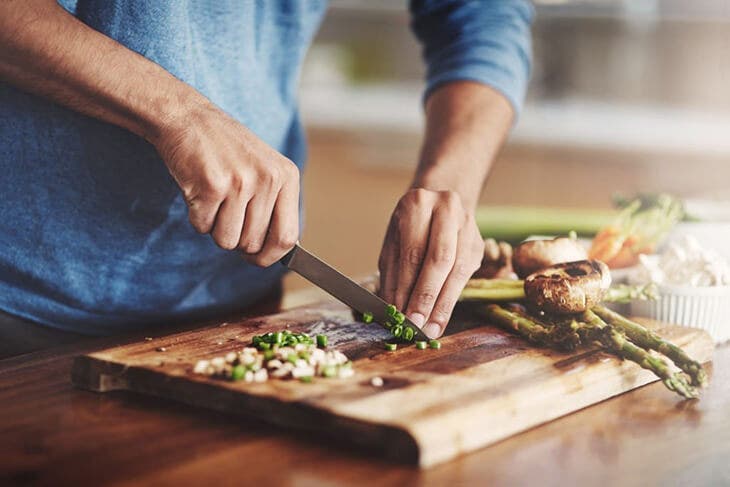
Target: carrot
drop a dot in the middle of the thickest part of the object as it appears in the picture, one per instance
(607, 243)
(624, 258)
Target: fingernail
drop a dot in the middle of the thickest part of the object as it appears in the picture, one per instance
(418, 319)
(432, 330)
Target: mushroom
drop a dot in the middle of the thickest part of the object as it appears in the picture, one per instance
(533, 255)
(568, 288)
(496, 262)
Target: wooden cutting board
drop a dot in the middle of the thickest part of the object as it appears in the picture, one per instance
(482, 386)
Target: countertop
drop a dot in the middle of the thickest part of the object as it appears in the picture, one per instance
(52, 433)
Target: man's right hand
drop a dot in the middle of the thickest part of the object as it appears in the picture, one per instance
(237, 188)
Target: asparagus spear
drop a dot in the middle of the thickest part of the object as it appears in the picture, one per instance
(618, 343)
(497, 295)
(495, 283)
(623, 293)
(650, 340)
(592, 328)
(531, 329)
(506, 290)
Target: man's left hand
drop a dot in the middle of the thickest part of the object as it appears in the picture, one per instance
(431, 249)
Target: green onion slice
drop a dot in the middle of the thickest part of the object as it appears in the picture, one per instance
(408, 334)
(238, 372)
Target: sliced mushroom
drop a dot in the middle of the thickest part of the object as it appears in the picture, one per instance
(533, 255)
(572, 287)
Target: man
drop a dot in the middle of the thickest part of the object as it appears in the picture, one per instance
(122, 120)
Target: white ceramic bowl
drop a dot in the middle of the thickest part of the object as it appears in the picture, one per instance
(707, 308)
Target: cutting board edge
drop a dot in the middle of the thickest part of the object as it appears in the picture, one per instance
(98, 372)
(98, 375)
(103, 375)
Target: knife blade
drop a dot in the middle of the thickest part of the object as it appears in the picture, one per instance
(342, 287)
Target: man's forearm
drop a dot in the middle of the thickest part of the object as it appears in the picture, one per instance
(466, 124)
(46, 51)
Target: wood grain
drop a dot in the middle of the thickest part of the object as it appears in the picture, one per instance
(482, 386)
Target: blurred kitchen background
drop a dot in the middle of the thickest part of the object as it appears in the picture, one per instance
(626, 96)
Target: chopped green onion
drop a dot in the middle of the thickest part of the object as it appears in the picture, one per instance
(292, 357)
(278, 337)
(329, 371)
(304, 355)
(399, 318)
(391, 347)
(321, 341)
(238, 372)
(367, 317)
(421, 345)
(264, 346)
(391, 310)
(435, 344)
(306, 378)
(397, 331)
(269, 354)
(408, 334)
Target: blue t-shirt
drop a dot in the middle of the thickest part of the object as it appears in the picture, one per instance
(94, 234)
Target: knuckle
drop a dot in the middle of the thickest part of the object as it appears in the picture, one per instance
(424, 298)
(414, 255)
(286, 240)
(441, 255)
(272, 178)
(216, 187)
(251, 246)
(237, 182)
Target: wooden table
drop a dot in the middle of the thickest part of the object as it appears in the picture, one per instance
(51, 433)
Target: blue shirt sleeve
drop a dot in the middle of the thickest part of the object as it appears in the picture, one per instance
(487, 41)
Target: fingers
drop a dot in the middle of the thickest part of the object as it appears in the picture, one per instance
(468, 257)
(413, 233)
(229, 221)
(256, 223)
(283, 232)
(202, 212)
(437, 264)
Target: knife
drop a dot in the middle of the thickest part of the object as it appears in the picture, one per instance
(342, 287)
